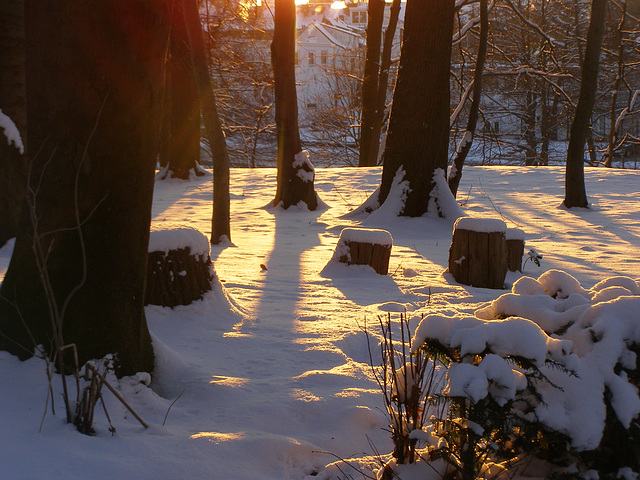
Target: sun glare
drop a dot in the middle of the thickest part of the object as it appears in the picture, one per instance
(338, 5)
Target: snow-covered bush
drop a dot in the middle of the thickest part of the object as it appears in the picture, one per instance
(551, 362)
(494, 372)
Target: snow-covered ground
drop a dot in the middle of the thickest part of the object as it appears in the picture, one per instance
(271, 369)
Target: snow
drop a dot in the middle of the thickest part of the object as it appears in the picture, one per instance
(515, 234)
(376, 236)
(303, 166)
(271, 368)
(174, 238)
(483, 225)
(11, 132)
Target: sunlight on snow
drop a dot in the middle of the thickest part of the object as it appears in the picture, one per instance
(228, 381)
(217, 437)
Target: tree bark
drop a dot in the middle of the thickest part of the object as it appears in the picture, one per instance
(295, 176)
(94, 90)
(575, 192)
(220, 222)
(183, 109)
(13, 178)
(370, 81)
(383, 82)
(418, 136)
(467, 140)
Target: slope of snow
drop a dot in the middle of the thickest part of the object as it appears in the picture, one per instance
(271, 369)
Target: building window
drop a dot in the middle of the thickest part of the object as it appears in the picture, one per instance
(323, 57)
(312, 59)
(312, 105)
(358, 17)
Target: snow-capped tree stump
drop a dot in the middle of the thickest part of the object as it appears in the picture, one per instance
(478, 253)
(365, 246)
(515, 249)
(179, 269)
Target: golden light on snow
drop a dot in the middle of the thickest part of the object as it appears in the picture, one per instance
(304, 395)
(218, 437)
(338, 5)
(233, 382)
(302, 2)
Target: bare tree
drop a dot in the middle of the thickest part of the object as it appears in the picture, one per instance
(220, 222)
(182, 108)
(370, 80)
(295, 173)
(239, 40)
(575, 191)
(455, 174)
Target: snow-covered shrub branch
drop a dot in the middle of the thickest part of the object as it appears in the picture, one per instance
(408, 380)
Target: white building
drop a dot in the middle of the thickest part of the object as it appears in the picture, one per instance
(328, 57)
(330, 51)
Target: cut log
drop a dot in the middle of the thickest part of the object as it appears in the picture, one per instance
(515, 249)
(364, 246)
(179, 268)
(478, 253)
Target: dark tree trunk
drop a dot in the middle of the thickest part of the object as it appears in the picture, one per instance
(418, 137)
(613, 131)
(370, 81)
(183, 109)
(295, 176)
(220, 222)
(531, 155)
(164, 151)
(383, 82)
(575, 192)
(13, 178)
(545, 127)
(467, 140)
(94, 97)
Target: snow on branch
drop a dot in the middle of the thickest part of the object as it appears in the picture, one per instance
(629, 110)
(459, 35)
(11, 132)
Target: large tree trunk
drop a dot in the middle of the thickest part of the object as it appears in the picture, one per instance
(220, 221)
(575, 192)
(13, 177)
(295, 174)
(370, 80)
(94, 97)
(467, 140)
(418, 137)
(183, 108)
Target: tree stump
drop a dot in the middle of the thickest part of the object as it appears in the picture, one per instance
(478, 253)
(365, 246)
(515, 249)
(179, 268)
